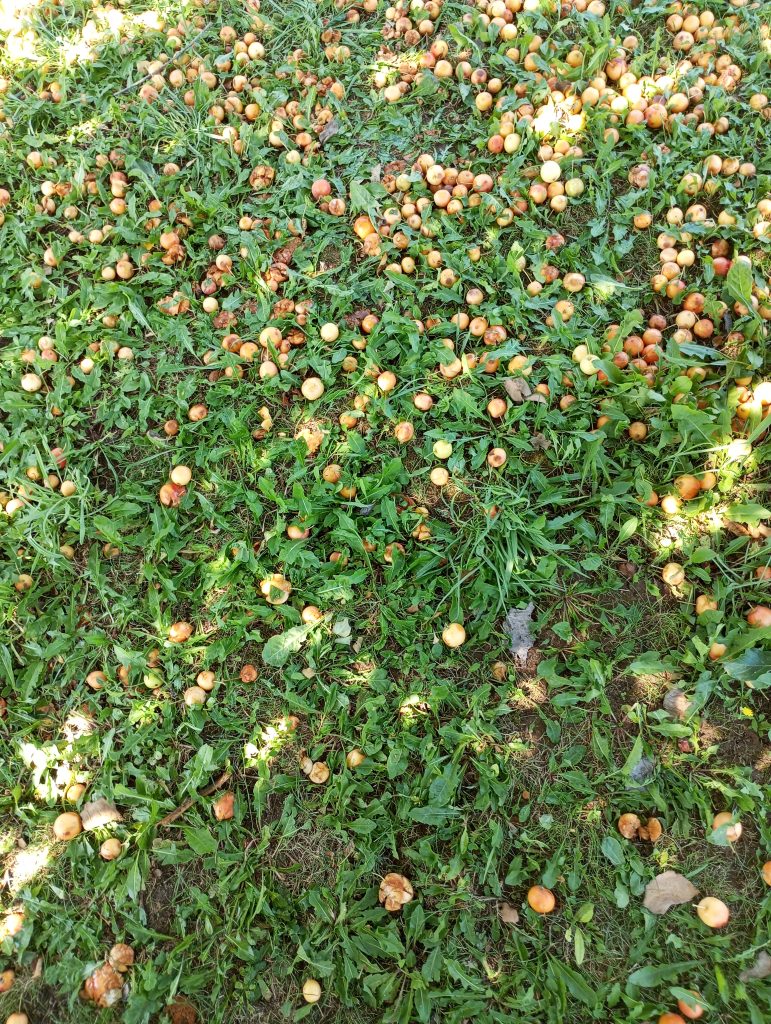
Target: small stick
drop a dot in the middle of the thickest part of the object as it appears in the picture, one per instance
(188, 803)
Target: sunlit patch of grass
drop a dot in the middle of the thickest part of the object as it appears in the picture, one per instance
(30, 39)
(268, 743)
(52, 769)
(26, 865)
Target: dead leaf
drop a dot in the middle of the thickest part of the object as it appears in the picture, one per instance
(642, 772)
(676, 703)
(536, 397)
(735, 528)
(375, 173)
(329, 131)
(539, 443)
(516, 626)
(760, 969)
(517, 388)
(508, 913)
(97, 813)
(668, 890)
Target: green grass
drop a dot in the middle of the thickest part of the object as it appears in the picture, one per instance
(482, 777)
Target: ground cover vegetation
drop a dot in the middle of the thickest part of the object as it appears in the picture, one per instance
(384, 444)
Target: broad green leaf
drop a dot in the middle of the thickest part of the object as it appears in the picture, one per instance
(651, 976)
(753, 666)
(579, 946)
(585, 913)
(739, 281)
(397, 761)
(441, 790)
(628, 529)
(279, 648)
(573, 982)
(613, 850)
(201, 840)
(747, 512)
(433, 815)
(651, 663)
(432, 965)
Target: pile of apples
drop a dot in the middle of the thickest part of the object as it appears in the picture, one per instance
(410, 21)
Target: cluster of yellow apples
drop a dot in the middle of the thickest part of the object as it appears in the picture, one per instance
(410, 21)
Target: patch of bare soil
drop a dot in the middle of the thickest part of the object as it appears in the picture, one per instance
(158, 899)
(738, 745)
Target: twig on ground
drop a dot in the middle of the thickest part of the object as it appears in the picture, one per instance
(188, 803)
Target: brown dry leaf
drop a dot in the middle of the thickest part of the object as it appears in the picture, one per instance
(760, 969)
(97, 813)
(508, 913)
(735, 528)
(669, 889)
(517, 388)
(329, 131)
(539, 443)
(676, 703)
